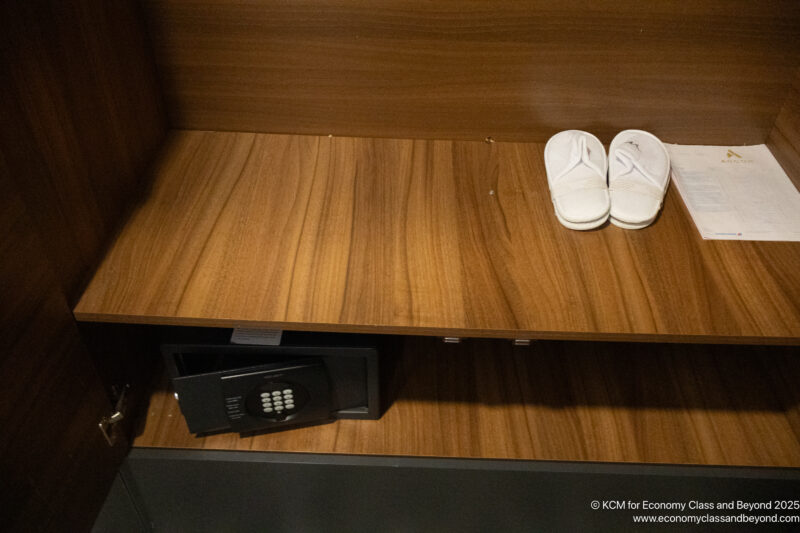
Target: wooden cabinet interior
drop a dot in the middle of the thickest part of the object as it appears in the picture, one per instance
(560, 401)
(83, 119)
(447, 236)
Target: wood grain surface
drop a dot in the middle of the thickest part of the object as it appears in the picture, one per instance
(82, 118)
(701, 72)
(784, 139)
(55, 467)
(650, 403)
(420, 237)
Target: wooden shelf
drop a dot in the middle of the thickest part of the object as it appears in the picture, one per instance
(420, 237)
(650, 403)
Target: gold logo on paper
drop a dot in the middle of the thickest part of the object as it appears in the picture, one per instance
(733, 157)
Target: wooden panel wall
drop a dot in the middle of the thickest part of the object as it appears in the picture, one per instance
(707, 71)
(55, 467)
(784, 139)
(82, 119)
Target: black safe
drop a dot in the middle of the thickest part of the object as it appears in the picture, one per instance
(309, 380)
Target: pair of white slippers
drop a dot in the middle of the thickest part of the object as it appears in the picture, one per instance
(638, 176)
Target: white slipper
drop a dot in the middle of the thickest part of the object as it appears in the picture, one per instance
(638, 177)
(576, 165)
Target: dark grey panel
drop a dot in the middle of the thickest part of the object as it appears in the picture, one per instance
(249, 491)
(119, 513)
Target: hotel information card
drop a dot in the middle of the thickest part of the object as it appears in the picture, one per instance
(736, 193)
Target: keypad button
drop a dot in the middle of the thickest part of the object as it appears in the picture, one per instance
(278, 408)
(287, 391)
(290, 406)
(267, 409)
(276, 393)
(288, 396)
(265, 395)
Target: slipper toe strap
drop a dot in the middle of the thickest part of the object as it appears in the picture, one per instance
(579, 155)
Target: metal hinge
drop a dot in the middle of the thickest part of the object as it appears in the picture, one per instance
(107, 422)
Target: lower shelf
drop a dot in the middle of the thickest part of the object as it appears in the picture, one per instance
(557, 401)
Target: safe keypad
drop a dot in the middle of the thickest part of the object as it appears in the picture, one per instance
(279, 402)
